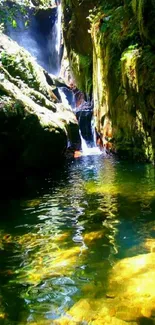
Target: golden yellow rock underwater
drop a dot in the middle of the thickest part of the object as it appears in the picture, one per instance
(129, 299)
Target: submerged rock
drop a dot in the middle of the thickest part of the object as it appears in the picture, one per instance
(34, 127)
(132, 282)
(130, 297)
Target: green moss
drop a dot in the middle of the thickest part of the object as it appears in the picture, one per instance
(123, 40)
(140, 17)
(144, 11)
(18, 65)
(82, 71)
(134, 109)
(129, 64)
(124, 82)
(33, 129)
(78, 41)
(134, 6)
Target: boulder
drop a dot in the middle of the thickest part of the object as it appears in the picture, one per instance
(34, 126)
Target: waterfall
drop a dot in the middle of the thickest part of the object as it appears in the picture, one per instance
(25, 36)
(41, 36)
(84, 147)
(88, 151)
(58, 30)
(64, 98)
(67, 97)
(93, 132)
(56, 36)
(66, 105)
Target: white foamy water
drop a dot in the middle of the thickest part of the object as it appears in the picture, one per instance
(64, 98)
(87, 151)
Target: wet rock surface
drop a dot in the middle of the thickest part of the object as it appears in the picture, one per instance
(34, 126)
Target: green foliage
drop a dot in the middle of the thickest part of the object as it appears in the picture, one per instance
(128, 52)
(8, 13)
(9, 10)
(14, 23)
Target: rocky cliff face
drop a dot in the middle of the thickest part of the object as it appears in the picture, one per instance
(78, 41)
(120, 47)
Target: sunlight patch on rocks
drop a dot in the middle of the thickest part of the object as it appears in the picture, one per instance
(129, 297)
(132, 281)
(93, 236)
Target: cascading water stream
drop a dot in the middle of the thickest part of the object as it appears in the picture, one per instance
(88, 151)
(58, 30)
(84, 147)
(56, 37)
(94, 132)
(64, 98)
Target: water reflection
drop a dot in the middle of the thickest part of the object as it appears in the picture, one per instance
(62, 250)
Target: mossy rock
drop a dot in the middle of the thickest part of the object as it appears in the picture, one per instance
(78, 41)
(123, 81)
(144, 11)
(82, 71)
(34, 127)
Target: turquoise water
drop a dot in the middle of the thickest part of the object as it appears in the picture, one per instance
(63, 243)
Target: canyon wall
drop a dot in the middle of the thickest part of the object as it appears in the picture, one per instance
(111, 48)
